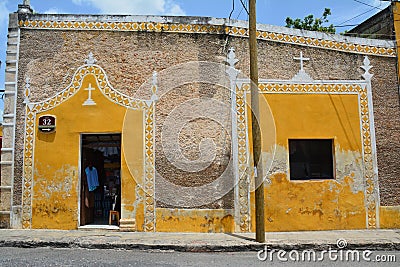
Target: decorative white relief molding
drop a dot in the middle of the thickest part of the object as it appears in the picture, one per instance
(27, 91)
(231, 71)
(371, 170)
(154, 88)
(231, 58)
(90, 60)
(302, 75)
(89, 101)
(366, 67)
(241, 190)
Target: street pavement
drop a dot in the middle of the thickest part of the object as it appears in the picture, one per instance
(48, 256)
(388, 240)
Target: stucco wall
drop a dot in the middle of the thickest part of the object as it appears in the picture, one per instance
(50, 57)
(320, 204)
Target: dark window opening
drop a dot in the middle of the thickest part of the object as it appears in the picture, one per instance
(311, 159)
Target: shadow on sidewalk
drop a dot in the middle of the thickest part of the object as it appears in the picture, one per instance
(241, 237)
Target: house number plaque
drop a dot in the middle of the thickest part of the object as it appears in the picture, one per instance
(47, 124)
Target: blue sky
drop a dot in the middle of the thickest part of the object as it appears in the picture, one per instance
(268, 11)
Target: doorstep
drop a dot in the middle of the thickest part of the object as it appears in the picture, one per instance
(99, 227)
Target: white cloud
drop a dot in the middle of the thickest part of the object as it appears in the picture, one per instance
(53, 10)
(176, 10)
(134, 7)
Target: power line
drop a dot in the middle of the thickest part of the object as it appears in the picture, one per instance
(244, 6)
(356, 16)
(347, 25)
(358, 1)
(241, 10)
(233, 8)
(369, 34)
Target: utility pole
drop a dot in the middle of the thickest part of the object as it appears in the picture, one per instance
(256, 132)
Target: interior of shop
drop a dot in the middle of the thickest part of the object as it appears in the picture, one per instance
(100, 179)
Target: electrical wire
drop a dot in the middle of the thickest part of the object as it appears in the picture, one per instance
(244, 6)
(389, 36)
(347, 25)
(233, 9)
(227, 36)
(358, 1)
(241, 10)
(356, 16)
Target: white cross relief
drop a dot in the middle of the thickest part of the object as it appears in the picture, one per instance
(302, 76)
(302, 59)
(89, 101)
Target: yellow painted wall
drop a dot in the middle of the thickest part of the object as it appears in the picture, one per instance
(289, 205)
(132, 168)
(203, 221)
(389, 217)
(316, 204)
(56, 189)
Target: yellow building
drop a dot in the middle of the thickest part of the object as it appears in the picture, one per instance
(142, 123)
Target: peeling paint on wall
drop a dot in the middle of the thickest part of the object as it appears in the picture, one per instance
(317, 205)
(349, 163)
(293, 205)
(390, 217)
(54, 205)
(203, 221)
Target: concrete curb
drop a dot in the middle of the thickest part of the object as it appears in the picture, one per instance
(196, 248)
(383, 240)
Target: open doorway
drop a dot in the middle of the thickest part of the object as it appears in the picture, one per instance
(100, 179)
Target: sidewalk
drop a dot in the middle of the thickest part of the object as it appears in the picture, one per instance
(198, 242)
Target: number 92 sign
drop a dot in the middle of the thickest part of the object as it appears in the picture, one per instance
(47, 123)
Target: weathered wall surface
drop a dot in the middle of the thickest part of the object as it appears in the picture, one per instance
(50, 57)
(325, 64)
(55, 201)
(275, 62)
(203, 221)
(390, 126)
(56, 180)
(390, 217)
(387, 127)
(130, 59)
(317, 204)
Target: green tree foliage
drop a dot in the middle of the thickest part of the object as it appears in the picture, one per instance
(312, 24)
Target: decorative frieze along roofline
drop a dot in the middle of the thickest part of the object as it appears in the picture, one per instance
(207, 25)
